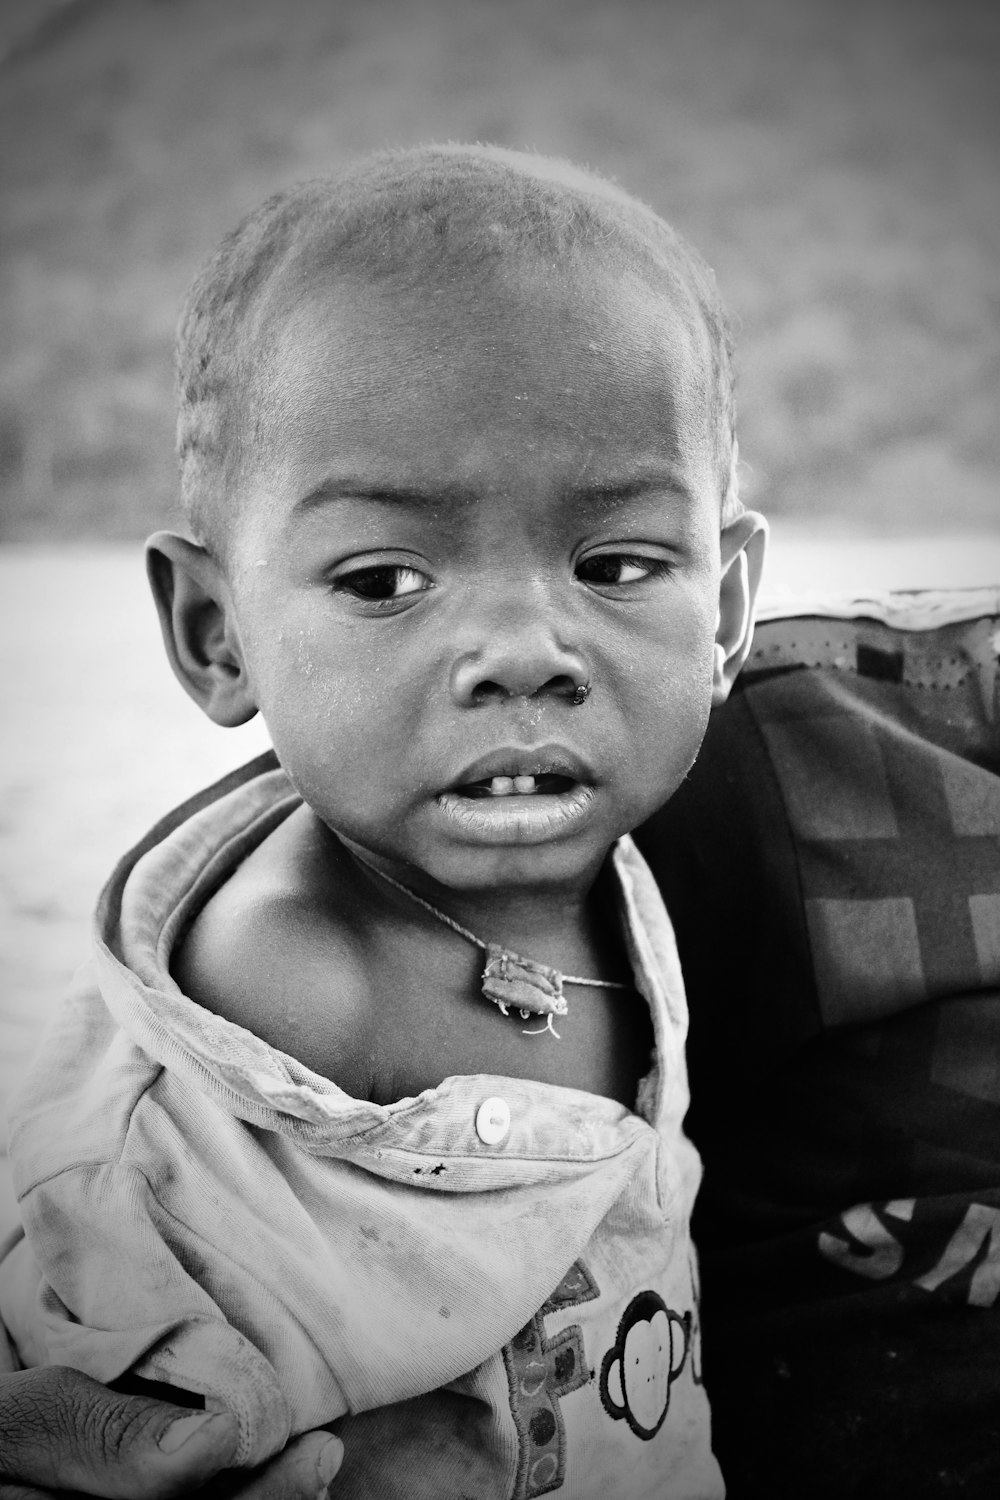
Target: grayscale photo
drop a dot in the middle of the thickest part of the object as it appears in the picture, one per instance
(500, 763)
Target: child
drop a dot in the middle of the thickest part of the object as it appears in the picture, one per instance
(354, 1112)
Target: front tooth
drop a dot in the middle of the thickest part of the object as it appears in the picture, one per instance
(524, 784)
(501, 786)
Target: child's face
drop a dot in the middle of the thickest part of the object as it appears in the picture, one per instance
(471, 503)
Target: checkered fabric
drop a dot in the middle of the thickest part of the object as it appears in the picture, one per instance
(832, 867)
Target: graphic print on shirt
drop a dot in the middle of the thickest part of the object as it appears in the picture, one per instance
(648, 1355)
(952, 1255)
(539, 1372)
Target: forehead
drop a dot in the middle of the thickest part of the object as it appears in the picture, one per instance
(478, 379)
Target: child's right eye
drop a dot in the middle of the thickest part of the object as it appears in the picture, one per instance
(384, 583)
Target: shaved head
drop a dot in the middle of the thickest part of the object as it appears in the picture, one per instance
(433, 219)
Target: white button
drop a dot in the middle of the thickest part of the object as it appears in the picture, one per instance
(493, 1121)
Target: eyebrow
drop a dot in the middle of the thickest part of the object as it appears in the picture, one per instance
(344, 489)
(619, 492)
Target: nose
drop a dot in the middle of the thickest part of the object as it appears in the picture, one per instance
(515, 651)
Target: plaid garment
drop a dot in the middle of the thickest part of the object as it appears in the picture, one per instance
(832, 867)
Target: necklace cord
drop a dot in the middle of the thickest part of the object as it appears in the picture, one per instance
(442, 916)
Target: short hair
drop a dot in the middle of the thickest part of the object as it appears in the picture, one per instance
(414, 215)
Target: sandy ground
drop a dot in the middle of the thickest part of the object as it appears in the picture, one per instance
(98, 740)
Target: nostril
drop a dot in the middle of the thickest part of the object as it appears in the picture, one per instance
(487, 692)
(562, 686)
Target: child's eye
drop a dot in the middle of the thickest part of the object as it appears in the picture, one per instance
(616, 568)
(386, 582)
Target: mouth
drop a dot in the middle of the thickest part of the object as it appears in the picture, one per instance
(520, 796)
(546, 784)
(545, 770)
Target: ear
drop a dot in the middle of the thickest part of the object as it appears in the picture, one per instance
(199, 627)
(744, 543)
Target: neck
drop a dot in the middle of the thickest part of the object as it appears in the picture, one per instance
(566, 927)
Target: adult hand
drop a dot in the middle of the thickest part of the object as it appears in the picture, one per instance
(61, 1431)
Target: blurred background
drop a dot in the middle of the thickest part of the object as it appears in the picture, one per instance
(837, 163)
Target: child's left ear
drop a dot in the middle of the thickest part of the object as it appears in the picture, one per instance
(744, 543)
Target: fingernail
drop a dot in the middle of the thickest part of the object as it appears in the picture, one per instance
(185, 1428)
(328, 1463)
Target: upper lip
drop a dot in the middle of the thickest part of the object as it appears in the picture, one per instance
(531, 760)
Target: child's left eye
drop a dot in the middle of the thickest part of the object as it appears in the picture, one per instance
(388, 581)
(619, 568)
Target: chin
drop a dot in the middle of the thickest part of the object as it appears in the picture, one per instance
(518, 867)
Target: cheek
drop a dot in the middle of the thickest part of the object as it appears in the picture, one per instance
(665, 685)
(337, 709)
(307, 689)
(666, 676)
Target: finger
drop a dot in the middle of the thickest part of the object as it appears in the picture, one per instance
(64, 1431)
(301, 1472)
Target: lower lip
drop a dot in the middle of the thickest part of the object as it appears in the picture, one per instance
(518, 819)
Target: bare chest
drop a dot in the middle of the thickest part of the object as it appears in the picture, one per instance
(603, 1045)
(389, 1010)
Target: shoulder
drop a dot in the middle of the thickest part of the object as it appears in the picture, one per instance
(275, 949)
